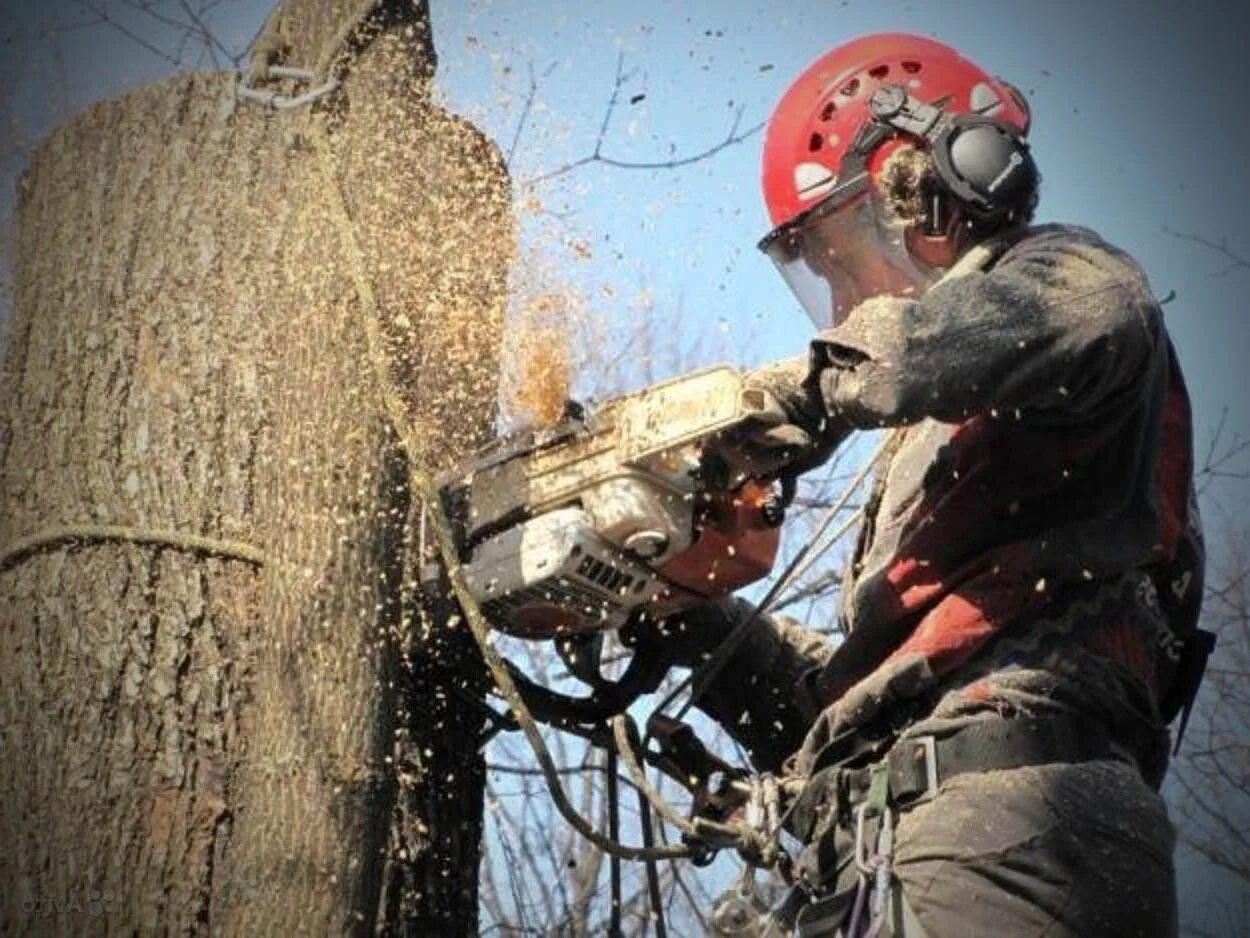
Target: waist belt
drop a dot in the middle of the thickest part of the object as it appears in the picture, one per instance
(915, 767)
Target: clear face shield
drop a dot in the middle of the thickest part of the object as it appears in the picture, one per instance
(844, 250)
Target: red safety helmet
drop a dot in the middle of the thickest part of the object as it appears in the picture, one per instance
(833, 240)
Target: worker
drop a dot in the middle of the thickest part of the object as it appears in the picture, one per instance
(983, 748)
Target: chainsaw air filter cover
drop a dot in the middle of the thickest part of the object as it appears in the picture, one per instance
(554, 575)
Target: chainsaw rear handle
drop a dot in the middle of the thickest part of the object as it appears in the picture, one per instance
(643, 675)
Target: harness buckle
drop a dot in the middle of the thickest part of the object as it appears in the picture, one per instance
(913, 770)
(926, 746)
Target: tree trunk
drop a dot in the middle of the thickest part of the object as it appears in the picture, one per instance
(223, 705)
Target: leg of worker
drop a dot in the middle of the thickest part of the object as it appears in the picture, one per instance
(1064, 850)
(902, 922)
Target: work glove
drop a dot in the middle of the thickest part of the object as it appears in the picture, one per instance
(683, 639)
(788, 434)
(759, 696)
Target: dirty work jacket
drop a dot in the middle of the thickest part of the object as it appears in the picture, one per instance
(1030, 547)
(1034, 500)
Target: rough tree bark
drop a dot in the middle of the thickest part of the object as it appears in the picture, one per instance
(262, 731)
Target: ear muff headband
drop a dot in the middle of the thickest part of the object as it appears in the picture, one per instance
(983, 162)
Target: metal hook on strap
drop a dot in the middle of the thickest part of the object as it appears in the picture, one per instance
(245, 91)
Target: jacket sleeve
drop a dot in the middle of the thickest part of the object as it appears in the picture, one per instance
(1060, 325)
(761, 696)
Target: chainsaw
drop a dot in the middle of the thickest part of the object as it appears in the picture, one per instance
(573, 529)
(569, 532)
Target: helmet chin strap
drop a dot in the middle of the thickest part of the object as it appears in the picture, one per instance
(937, 222)
(938, 251)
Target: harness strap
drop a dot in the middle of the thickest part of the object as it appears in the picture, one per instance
(916, 767)
(912, 771)
(919, 765)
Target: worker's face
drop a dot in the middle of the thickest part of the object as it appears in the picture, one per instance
(844, 251)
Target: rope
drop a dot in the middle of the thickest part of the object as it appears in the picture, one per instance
(276, 100)
(614, 832)
(424, 487)
(272, 43)
(702, 828)
(653, 875)
(54, 538)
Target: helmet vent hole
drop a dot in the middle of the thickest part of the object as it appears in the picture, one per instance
(815, 142)
(850, 87)
(880, 71)
(827, 112)
(911, 67)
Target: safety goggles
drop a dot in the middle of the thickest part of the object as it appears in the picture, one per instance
(844, 250)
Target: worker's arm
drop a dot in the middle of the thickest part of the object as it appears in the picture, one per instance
(1060, 325)
(759, 696)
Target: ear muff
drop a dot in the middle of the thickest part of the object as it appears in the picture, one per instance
(985, 164)
(982, 162)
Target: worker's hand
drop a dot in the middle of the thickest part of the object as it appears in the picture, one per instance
(766, 446)
(788, 434)
(683, 639)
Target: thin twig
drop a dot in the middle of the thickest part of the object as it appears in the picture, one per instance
(1218, 455)
(732, 137)
(530, 95)
(104, 17)
(45, 32)
(1235, 260)
(818, 588)
(211, 42)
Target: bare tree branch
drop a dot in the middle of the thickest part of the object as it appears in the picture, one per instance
(823, 585)
(1213, 774)
(732, 137)
(187, 26)
(530, 95)
(51, 31)
(211, 42)
(104, 17)
(1235, 260)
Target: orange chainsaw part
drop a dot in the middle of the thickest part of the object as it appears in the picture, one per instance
(545, 620)
(734, 546)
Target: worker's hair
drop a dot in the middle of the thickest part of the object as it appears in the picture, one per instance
(909, 180)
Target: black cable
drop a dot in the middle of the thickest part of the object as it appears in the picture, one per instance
(614, 833)
(653, 876)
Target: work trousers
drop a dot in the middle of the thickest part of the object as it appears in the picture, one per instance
(1065, 850)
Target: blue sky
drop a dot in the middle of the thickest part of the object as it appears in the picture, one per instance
(1140, 129)
(1140, 126)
